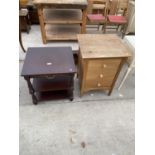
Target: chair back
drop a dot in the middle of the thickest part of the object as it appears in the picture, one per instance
(118, 7)
(97, 6)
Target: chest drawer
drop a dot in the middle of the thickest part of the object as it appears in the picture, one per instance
(109, 70)
(100, 73)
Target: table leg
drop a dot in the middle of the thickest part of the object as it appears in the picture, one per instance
(84, 20)
(31, 90)
(42, 25)
(70, 91)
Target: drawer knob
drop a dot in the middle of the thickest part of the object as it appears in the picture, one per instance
(104, 65)
(101, 75)
(98, 84)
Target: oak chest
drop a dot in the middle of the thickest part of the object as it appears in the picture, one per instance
(101, 58)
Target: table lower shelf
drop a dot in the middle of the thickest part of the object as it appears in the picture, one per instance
(61, 82)
(53, 95)
(62, 32)
(53, 87)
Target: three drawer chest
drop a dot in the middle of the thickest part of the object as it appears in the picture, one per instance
(101, 58)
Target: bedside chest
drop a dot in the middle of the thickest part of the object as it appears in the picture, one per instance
(101, 58)
(49, 72)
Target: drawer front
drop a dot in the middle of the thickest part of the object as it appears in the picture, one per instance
(109, 70)
(100, 73)
(92, 79)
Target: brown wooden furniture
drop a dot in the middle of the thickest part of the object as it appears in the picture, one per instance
(23, 3)
(58, 20)
(52, 70)
(99, 17)
(33, 13)
(24, 20)
(117, 14)
(100, 60)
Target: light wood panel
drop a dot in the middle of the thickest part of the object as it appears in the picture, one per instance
(100, 59)
(62, 32)
(99, 46)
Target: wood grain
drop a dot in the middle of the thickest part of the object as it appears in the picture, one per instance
(62, 16)
(102, 46)
(41, 20)
(62, 32)
(101, 59)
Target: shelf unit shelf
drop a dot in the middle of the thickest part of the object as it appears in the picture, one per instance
(62, 32)
(62, 16)
(52, 83)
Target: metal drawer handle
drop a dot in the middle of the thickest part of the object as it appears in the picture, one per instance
(48, 63)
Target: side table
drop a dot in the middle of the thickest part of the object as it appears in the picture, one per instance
(49, 72)
(101, 58)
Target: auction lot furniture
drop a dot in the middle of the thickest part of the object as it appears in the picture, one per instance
(101, 58)
(49, 72)
(61, 19)
(24, 20)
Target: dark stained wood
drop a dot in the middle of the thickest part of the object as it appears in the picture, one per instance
(24, 21)
(37, 59)
(55, 82)
(52, 70)
(20, 38)
(53, 95)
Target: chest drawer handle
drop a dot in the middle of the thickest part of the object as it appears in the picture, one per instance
(101, 75)
(99, 85)
(104, 65)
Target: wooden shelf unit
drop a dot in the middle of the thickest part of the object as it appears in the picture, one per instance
(62, 32)
(61, 19)
(62, 16)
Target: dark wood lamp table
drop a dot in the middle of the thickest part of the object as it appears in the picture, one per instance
(49, 72)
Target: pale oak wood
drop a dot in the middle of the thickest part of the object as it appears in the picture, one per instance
(41, 20)
(62, 16)
(99, 46)
(62, 4)
(62, 32)
(100, 61)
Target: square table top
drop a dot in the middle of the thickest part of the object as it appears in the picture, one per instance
(102, 46)
(48, 61)
(61, 2)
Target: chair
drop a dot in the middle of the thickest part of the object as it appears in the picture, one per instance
(98, 12)
(117, 13)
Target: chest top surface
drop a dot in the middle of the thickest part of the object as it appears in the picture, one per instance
(48, 60)
(79, 2)
(102, 46)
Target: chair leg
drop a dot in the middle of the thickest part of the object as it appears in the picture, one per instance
(99, 27)
(118, 27)
(123, 30)
(104, 27)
